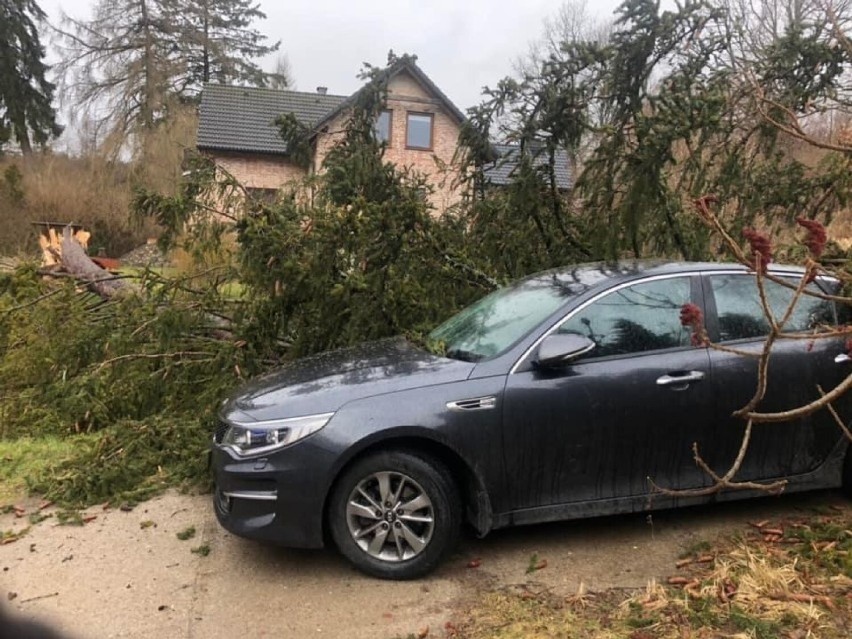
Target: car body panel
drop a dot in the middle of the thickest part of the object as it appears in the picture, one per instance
(796, 367)
(474, 436)
(570, 441)
(323, 383)
(540, 445)
(826, 476)
(294, 518)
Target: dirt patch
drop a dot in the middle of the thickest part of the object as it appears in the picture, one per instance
(127, 574)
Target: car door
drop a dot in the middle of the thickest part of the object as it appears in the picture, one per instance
(626, 411)
(737, 320)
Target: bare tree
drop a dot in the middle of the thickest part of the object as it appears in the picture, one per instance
(117, 66)
(133, 61)
(281, 76)
(573, 22)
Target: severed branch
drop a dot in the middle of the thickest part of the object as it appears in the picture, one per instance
(807, 409)
(32, 302)
(70, 256)
(836, 417)
(775, 330)
(74, 260)
(793, 128)
(725, 481)
(760, 251)
(135, 356)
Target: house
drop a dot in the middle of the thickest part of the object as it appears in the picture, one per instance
(502, 170)
(420, 125)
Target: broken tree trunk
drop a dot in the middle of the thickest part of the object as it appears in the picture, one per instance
(49, 241)
(73, 259)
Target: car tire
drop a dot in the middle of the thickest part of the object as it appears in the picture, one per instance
(380, 537)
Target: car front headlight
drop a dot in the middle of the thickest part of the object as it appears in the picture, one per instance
(254, 438)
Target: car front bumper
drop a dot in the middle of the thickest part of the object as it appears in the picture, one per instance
(277, 498)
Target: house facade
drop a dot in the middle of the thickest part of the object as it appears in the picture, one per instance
(420, 126)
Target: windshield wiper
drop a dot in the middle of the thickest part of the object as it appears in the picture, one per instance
(463, 355)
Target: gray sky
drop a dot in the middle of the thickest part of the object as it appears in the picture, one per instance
(462, 45)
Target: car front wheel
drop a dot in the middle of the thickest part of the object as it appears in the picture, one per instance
(395, 514)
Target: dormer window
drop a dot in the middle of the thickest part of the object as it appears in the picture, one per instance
(418, 133)
(383, 126)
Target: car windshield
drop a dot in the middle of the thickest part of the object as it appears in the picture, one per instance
(492, 325)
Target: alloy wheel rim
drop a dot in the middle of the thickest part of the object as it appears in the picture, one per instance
(390, 517)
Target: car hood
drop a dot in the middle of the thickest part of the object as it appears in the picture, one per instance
(323, 383)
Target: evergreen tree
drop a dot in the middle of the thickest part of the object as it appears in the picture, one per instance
(26, 111)
(672, 105)
(218, 42)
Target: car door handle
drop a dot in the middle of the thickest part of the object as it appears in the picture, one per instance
(842, 358)
(680, 378)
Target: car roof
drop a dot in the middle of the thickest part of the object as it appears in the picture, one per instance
(579, 278)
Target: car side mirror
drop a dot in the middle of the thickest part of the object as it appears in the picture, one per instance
(558, 350)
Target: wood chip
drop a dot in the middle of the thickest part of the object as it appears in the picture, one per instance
(803, 598)
(727, 591)
(692, 590)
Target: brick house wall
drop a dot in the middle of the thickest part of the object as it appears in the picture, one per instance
(405, 95)
(233, 120)
(257, 171)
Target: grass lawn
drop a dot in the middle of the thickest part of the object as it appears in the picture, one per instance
(233, 289)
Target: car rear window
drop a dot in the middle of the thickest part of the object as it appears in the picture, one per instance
(740, 312)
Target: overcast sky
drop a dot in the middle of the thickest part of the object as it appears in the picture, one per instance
(462, 45)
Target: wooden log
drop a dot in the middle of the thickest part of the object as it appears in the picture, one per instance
(74, 260)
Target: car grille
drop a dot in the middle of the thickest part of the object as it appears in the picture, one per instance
(219, 435)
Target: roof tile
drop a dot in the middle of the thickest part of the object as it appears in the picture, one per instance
(501, 172)
(243, 118)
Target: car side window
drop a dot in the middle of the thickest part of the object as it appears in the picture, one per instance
(634, 319)
(741, 315)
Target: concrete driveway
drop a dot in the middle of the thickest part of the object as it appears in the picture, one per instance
(126, 574)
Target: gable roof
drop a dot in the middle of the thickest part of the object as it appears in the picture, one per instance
(243, 118)
(501, 171)
(405, 64)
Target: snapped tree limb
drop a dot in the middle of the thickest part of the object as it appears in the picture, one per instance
(73, 259)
